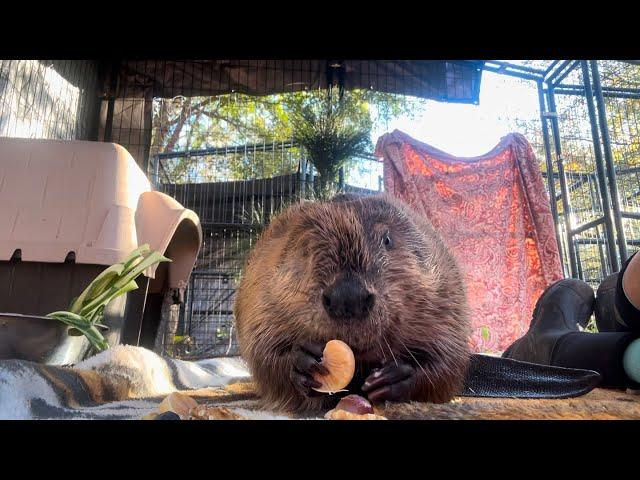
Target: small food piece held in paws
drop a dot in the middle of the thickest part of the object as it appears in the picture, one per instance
(177, 403)
(336, 414)
(204, 412)
(339, 360)
(355, 404)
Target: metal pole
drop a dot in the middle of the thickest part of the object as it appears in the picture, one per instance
(595, 195)
(514, 66)
(554, 82)
(602, 180)
(100, 89)
(604, 89)
(580, 269)
(566, 203)
(549, 163)
(502, 71)
(155, 163)
(111, 101)
(607, 94)
(303, 177)
(549, 75)
(608, 157)
(190, 322)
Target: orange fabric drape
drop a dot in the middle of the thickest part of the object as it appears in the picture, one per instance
(494, 213)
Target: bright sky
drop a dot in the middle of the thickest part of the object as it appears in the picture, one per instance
(461, 129)
(472, 130)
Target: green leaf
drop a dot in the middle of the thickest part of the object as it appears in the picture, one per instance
(70, 318)
(97, 285)
(102, 281)
(153, 258)
(134, 256)
(98, 314)
(83, 325)
(113, 292)
(484, 332)
(87, 310)
(124, 283)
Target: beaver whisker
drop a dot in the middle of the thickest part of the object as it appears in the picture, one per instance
(414, 358)
(390, 350)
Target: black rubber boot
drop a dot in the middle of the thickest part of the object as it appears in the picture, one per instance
(559, 310)
(605, 306)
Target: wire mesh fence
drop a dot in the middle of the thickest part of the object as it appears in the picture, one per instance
(52, 99)
(219, 137)
(232, 159)
(582, 203)
(599, 201)
(623, 116)
(235, 191)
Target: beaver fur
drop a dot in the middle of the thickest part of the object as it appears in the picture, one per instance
(413, 343)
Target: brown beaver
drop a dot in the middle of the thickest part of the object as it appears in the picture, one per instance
(365, 270)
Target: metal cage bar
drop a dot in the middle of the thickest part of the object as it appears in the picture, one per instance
(566, 202)
(600, 170)
(608, 156)
(549, 163)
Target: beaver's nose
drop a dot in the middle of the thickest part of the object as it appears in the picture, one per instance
(347, 298)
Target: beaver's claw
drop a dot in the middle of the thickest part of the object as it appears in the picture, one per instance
(306, 362)
(393, 382)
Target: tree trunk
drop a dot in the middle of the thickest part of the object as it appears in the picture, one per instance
(165, 338)
(325, 187)
(175, 136)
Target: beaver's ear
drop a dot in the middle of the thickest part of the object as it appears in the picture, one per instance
(345, 197)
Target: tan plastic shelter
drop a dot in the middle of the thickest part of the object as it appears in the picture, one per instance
(91, 199)
(85, 203)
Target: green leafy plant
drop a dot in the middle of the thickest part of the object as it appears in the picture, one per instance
(330, 134)
(86, 312)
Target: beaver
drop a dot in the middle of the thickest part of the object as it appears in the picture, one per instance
(367, 270)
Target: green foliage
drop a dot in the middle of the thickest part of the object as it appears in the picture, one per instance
(87, 310)
(237, 119)
(331, 132)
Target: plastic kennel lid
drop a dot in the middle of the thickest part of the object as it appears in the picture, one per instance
(58, 197)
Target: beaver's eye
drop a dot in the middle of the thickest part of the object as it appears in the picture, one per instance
(386, 240)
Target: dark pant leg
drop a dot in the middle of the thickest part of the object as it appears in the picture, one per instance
(618, 324)
(614, 312)
(601, 352)
(627, 316)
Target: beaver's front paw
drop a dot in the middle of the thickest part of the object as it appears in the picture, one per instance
(393, 382)
(306, 362)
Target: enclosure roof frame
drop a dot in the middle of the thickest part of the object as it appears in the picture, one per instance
(554, 75)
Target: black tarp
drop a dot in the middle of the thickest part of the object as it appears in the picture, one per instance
(443, 80)
(133, 84)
